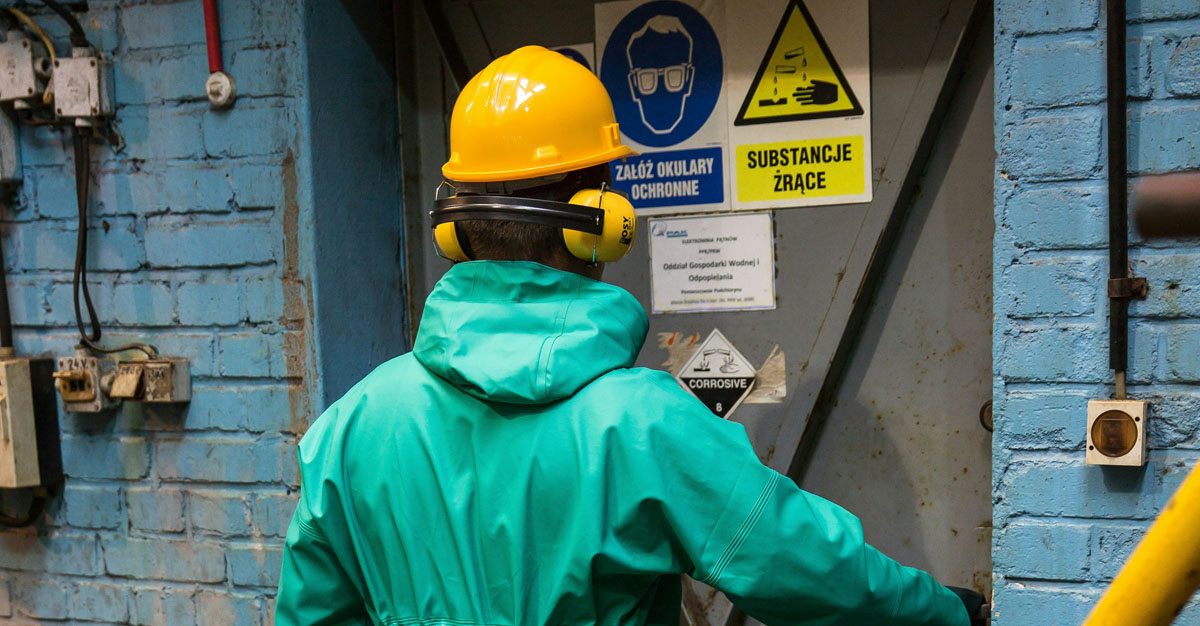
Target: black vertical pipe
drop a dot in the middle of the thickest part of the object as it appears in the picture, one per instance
(445, 38)
(6, 340)
(1118, 200)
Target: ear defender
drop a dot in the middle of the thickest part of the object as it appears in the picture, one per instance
(598, 225)
(620, 228)
(445, 235)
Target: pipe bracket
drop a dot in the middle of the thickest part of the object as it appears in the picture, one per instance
(1128, 288)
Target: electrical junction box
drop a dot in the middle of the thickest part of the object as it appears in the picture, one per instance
(85, 382)
(82, 86)
(10, 151)
(30, 450)
(153, 380)
(24, 69)
(1116, 432)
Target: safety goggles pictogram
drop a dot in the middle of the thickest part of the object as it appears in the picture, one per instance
(645, 79)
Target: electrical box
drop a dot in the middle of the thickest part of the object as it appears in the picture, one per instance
(1116, 432)
(85, 382)
(10, 151)
(30, 450)
(153, 380)
(24, 68)
(82, 86)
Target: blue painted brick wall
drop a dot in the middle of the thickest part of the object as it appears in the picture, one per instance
(172, 515)
(1063, 529)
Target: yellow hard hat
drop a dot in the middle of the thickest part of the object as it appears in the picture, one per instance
(531, 113)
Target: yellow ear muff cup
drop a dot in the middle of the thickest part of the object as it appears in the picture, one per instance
(620, 228)
(446, 238)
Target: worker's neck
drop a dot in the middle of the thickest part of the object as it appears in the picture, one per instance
(568, 263)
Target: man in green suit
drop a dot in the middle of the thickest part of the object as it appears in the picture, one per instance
(514, 468)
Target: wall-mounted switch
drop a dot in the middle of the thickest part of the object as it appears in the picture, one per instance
(167, 380)
(153, 380)
(1116, 432)
(127, 385)
(85, 382)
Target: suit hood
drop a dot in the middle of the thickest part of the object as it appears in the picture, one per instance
(524, 333)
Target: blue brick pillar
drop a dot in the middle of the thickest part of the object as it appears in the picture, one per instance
(1062, 529)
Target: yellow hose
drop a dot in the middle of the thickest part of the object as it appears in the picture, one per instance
(48, 95)
(1163, 572)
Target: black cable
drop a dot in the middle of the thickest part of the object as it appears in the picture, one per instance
(82, 145)
(81, 141)
(36, 506)
(78, 37)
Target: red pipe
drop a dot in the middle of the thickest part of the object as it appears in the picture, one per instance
(212, 30)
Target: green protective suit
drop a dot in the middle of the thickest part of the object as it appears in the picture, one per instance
(514, 469)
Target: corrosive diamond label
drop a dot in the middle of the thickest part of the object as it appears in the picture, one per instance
(718, 375)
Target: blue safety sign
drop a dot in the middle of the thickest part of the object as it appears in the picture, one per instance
(574, 55)
(662, 67)
(672, 177)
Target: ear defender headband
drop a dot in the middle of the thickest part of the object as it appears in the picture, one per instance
(598, 225)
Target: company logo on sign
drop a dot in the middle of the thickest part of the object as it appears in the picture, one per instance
(663, 68)
(660, 230)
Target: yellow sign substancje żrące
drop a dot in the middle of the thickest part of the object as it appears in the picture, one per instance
(806, 168)
(798, 78)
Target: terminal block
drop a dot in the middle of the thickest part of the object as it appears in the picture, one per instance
(153, 380)
(85, 382)
(82, 86)
(24, 70)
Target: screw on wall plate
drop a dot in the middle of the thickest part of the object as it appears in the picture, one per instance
(24, 44)
(92, 63)
(59, 110)
(56, 62)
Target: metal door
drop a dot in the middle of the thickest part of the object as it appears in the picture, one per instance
(883, 309)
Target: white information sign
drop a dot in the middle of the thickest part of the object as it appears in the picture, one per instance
(712, 263)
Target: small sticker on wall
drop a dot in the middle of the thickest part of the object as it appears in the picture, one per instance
(770, 381)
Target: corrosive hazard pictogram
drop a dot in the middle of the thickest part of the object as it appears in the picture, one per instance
(798, 79)
(718, 375)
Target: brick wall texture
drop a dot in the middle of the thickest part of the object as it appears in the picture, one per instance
(1063, 529)
(171, 515)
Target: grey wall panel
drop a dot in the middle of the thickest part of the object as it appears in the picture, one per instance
(903, 448)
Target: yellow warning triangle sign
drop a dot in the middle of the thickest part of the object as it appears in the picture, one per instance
(798, 79)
